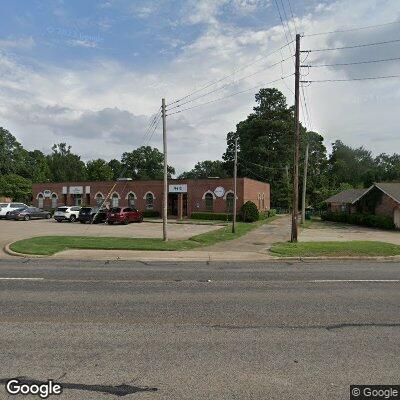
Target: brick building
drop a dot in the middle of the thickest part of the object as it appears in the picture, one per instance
(188, 195)
(381, 198)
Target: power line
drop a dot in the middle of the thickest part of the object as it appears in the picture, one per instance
(207, 85)
(352, 47)
(231, 95)
(351, 63)
(351, 29)
(230, 83)
(353, 79)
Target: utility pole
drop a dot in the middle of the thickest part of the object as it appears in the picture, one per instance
(234, 189)
(165, 192)
(295, 206)
(303, 200)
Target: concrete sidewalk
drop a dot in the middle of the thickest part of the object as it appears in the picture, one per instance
(251, 247)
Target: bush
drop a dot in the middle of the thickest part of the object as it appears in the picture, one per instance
(150, 214)
(249, 212)
(211, 216)
(371, 220)
(267, 214)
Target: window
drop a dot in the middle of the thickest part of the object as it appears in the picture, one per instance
(54, 199)
(209, 202)
(131, 200)
(149, 201)
(40, 200)
(99, 199)
(115, 200)
(229, 202)
(127, 209)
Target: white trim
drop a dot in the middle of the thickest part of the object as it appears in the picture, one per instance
(40, 194)
(53, 195)
(387, 194)
(211, 192)
(130, 192)
(229, 192)
(96, 195)
(144, 197)
(112, 195)
(362, 195)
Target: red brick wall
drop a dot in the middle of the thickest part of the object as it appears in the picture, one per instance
(247, 189)
(386, 206)
(256, 192)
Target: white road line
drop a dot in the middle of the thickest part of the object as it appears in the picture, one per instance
(353, 280)
(21, 279)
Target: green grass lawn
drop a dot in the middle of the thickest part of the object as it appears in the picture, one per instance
(350, 248)
(48, 245)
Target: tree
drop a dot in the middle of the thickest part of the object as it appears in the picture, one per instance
(98, 170)
(265, 145)
(355, 166)
(16, 187)
(12, 155)
(145, 163)
(206, 169)
(64, 165)
(116, 168)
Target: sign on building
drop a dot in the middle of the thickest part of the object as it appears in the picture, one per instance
(76, 190)
(178, 188)
(87, 189)
(219, 191)
(47, 193)
(65, 190)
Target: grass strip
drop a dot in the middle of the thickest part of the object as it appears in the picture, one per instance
(338, 249)
(48, 245)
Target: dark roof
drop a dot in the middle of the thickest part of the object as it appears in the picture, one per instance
(347, 196)
(392, 189)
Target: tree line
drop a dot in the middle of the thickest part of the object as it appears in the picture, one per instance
(265, 153)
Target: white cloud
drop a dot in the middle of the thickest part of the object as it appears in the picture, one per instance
(103, 108)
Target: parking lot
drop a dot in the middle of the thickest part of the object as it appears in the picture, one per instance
(11, 231)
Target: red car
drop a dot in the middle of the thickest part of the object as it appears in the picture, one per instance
(124, 215)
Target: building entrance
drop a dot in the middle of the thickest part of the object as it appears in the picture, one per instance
(174, 206)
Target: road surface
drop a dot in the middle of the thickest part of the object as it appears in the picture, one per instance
(282, 330)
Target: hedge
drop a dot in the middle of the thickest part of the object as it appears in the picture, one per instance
(150, 214)
(267, 214)
(249, 212)
(371, 220)
(211, 216)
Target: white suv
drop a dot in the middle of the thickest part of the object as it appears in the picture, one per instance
(66, 213)
(5, 208)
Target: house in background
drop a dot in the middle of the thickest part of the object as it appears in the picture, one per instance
(381, 198)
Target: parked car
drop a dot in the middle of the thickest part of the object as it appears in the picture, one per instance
(88, 214)
(124, 215)
(5, 208)
(65, 213)
(27, 213)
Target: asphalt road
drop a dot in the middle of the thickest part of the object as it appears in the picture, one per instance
(282, 330)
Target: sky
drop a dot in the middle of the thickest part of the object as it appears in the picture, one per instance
(92, 73)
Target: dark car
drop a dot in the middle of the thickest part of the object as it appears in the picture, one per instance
(28, 213)
(124, 215)
(94, 215)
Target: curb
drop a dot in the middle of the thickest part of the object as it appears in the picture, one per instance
(10, 252)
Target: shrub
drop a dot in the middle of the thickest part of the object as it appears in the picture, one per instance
(371, 220)
(271, 212)
(267, 214)
(211, 216)
(151, 214)
(249, 212)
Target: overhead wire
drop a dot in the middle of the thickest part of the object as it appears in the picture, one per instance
(351, 29)
(211, 83)
(353, 46)
(351, 63)
(352, 79)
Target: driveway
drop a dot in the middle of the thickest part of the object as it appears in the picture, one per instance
(324, 231)
(15, 230)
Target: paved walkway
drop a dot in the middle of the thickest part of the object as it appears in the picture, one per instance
(258, 240)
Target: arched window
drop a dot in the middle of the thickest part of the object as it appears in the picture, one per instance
(209, 198)
(229, 202)
(149, 200)
(131, 199)
(115, 200)
(54, 200)
(99, 199)
(40, 199)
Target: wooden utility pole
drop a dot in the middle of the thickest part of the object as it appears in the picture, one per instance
(165, 192)
(234, 189)
(295, 205)
(303, 197)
